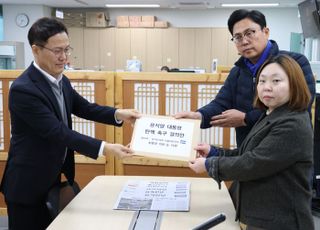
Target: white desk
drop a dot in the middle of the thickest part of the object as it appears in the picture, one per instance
(92, 208)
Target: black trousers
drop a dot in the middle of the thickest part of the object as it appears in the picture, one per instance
(28, 217)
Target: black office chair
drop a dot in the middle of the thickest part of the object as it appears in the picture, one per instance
(59, 196)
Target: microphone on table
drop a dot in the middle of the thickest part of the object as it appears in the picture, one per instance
(213, 221)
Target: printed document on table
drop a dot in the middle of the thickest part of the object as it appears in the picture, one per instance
(154, 195)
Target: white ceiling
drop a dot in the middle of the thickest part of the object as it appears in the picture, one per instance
(180, 4)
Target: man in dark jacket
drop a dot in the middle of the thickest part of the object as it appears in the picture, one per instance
(232, 106)
(42, 144)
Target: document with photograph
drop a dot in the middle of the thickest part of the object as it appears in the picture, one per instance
(154, 196)
(166, 137)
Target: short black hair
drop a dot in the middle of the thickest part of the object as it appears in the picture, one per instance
(254, 15)
(43, 29)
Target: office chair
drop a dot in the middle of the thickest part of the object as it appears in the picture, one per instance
(59, 196)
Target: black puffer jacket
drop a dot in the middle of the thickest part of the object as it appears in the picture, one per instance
(239, 89)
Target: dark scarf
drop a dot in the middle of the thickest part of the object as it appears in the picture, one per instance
(254, 67)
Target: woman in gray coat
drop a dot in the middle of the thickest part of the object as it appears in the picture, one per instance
(273, 164)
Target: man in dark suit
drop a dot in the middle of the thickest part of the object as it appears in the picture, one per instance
(42, 144)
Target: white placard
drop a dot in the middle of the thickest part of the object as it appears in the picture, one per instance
(166, 137)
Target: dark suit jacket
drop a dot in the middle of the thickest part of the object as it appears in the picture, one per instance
(39, 136)
(273, 168)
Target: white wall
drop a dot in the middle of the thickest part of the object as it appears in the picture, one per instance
(281, 21)
(14, 33)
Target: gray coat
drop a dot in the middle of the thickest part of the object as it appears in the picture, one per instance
(273, 168)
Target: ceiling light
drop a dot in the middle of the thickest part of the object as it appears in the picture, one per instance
(251, 5)
(132, 5)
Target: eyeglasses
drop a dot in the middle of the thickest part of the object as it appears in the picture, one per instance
(59, 51)
(248, 34)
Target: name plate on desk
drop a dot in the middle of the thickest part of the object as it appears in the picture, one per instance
(166, 137)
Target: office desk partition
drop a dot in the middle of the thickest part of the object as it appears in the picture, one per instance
(92, 208)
